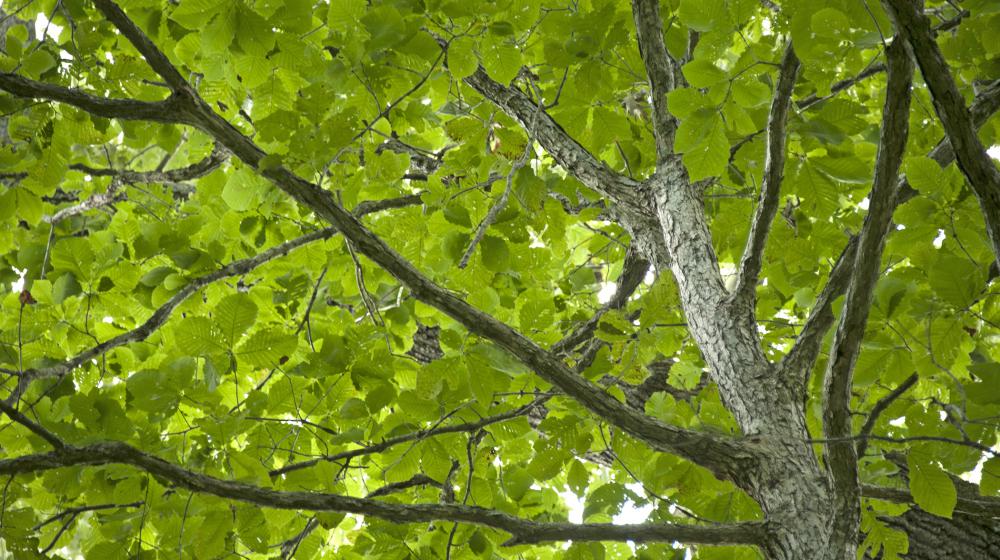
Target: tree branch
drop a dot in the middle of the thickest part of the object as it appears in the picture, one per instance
(726, 336)
(209, 163)
(633, 272)
(982, 505)
(870, 70)
(153, 55)
(235, 268)
(566, 151)
(807, 346)
(372, 206)
(418, 479)
(770, 189)
(173, 178)
(839, 86)
(975, 163)
(841, 456)
(522, 531)
(804, 352)
(290, 546)
(166, 111)
(660, 68)
(725, 457)
(37, 429)
(160, 316)
(99, 200)
(879, 408)
(501, 203)
(77, 510)
(413, 436)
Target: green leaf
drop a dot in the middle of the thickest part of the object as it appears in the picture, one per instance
(210, 531)
(930, 485)
(578, 478)
(267, 348)
(518, 481)
(703, 15)
(495, 254)
(503, 62)
(38, 62)
(547, 462)
(243, 190)
(194, 13)
(829, 22)
(344, 15)
(147, 393)
(386, 27)
(212, 375)
(197, 336)
(683, 102)
(74, 255)
(462, 57)
(234, 315)
(270, 161)
(703, 74)
(353, 408)
(703, 140)
(990, 479)
(925, 175)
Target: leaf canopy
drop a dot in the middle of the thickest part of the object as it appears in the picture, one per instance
(222, 329)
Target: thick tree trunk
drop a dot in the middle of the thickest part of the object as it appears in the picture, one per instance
(788, 482)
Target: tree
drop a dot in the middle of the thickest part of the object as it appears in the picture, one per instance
(397, 278)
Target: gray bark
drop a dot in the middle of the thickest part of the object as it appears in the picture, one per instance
(811, 511)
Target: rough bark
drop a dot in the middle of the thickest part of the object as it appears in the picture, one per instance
(975, 163)
(811, 511)
(841, 457)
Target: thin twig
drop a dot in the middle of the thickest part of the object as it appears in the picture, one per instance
(501, 203)
(879, 408)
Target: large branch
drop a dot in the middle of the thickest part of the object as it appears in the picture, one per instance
(807, 346)
(522, 531)
(725, 457)
(975, 163)
(156, 59)
(566, 151)
(129, 109)
(770, 189)
(841, 456)
(728, 340)
(659, 72)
